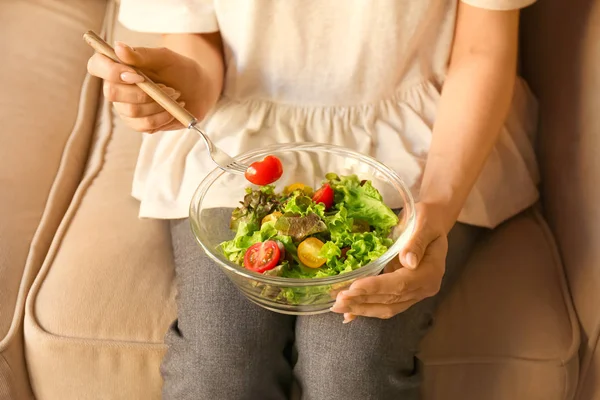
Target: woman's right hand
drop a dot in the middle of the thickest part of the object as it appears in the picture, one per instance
(172, 71)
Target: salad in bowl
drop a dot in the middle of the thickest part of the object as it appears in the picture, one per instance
(292, 245)
(302, 233)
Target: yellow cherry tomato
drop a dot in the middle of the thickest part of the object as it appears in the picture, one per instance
(299, 186)
(308, 253)
(274, 216)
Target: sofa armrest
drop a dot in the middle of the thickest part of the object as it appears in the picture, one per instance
(47, 111)
(562, 67)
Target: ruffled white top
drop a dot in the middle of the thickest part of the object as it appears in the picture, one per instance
(361, 74)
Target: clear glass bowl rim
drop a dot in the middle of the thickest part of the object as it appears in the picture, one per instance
(366, 270)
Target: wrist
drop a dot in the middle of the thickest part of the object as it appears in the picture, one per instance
(443, 198)
(210, 90)
(437, 213)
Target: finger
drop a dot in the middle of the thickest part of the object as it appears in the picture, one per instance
(124, 93)
(379, 298)
(335, 292)
(392, 283)
(427, 279)
(150, 123)
(171, 126)
(105, 68)
(414, 250)
(383, 311)
(140, 110)
(348, 318)
(144, 57)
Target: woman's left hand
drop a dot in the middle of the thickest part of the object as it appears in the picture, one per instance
(415, 275)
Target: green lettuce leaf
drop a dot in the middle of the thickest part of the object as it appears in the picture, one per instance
(361, 249)
(245, 237)
(339, 225)
(302, 205)
(362, 202)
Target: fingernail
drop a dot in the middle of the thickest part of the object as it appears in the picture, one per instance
(411, 260)
(124, 45)
(131, 77)
(348, 318)
(181, 103)
(175, 95)
(339, 309)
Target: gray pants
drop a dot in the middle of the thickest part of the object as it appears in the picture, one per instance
(223, 347)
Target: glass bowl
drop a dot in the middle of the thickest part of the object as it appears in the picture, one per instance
(308, 163)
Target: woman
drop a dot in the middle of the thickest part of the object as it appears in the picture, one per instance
(428, 87)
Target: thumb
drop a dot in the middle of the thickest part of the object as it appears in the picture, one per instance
(414, 250)
(143, 57)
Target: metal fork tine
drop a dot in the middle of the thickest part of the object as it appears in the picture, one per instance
(241, 167)
(222, 159)
(237, 167)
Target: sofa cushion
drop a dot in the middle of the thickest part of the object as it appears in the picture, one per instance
(103, 300)
(507, 330)
(47, 112)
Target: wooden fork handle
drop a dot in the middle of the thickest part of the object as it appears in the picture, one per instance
(149, 87)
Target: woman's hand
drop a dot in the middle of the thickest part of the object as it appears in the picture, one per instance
(195, 86)
(415, 275)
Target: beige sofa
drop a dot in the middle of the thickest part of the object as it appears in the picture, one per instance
(87, 289)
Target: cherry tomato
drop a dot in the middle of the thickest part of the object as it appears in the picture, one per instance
(264, 172)
(274, 216)
(308, 253)
(261, 257)
(324, 195)
(298, 186)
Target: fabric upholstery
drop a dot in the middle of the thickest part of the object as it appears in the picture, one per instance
(101, 305)
(99, 309)
(507, 330)
(47, 110)
(561, 60)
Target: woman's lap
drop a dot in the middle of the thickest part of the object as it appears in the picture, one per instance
(221, 346)
(224, 347)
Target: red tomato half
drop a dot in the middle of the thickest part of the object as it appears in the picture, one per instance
(324, 195)
(261, 257)
(264, 172)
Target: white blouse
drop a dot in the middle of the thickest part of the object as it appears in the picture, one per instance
(364, 74)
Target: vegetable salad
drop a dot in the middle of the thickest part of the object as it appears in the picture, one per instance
(302, 233)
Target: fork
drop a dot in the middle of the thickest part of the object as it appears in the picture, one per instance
(222, 159)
